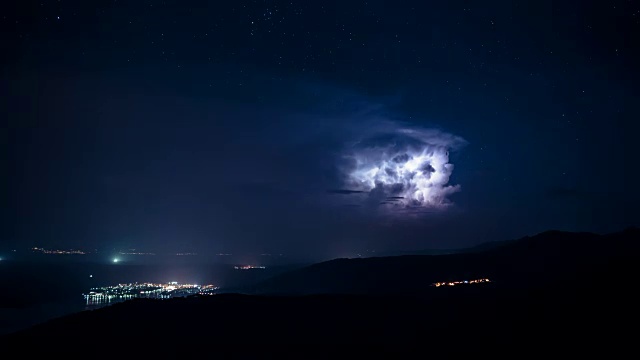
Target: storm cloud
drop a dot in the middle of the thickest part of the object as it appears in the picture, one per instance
(407, 165)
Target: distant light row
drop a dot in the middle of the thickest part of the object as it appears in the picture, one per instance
(462, 282)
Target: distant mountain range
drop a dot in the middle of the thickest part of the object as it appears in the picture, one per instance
(546, 257)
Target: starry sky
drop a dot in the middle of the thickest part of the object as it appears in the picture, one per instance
(299, 127)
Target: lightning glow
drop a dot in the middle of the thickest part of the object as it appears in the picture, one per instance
(403, 167)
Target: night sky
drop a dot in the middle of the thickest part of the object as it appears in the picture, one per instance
(316, 128)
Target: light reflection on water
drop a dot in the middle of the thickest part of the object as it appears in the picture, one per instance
(98, 302)
(92, 303)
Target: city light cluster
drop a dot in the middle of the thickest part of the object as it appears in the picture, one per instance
(247, 267)
(169, 290)
(454, 283)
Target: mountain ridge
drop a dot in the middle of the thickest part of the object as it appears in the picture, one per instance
(501, 261)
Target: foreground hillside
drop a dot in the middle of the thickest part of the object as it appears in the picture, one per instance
(479, 319)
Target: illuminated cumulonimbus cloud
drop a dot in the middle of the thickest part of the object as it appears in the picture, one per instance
(403, 167)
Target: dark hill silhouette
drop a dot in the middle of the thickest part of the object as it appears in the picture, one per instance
(555, 293)
(546, 257)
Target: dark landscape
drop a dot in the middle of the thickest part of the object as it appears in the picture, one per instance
(557, 291)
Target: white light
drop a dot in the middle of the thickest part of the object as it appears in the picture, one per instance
(115, 260)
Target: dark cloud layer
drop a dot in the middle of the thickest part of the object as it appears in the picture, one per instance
(345, 192)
